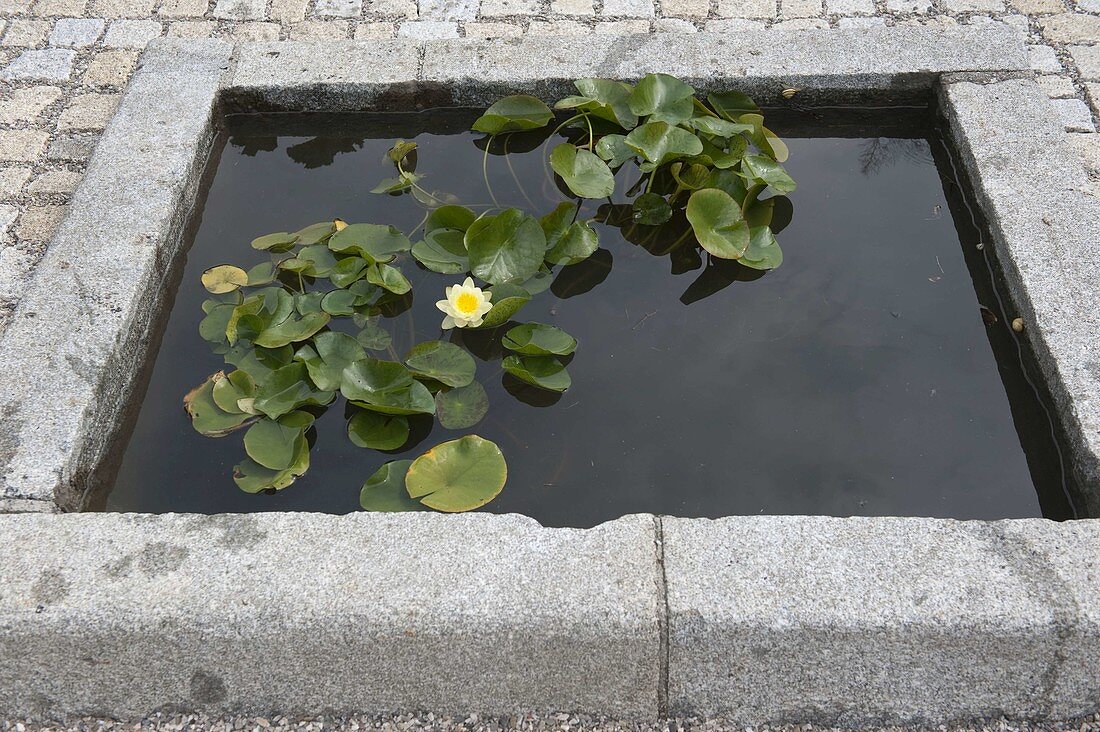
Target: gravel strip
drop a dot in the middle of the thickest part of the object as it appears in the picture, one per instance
(430, 722)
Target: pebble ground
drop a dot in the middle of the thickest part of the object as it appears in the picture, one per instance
(473, 723)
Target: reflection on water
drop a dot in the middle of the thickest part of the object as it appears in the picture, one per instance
(857, 379)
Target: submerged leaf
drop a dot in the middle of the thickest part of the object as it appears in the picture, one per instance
(545, 372)
(462, 407)
(378, 431)
(459, 475)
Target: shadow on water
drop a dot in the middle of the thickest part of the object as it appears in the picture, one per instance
(859, 378)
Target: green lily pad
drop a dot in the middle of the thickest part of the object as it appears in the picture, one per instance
(545, 372)
(651, 209)
(568, 241)
(719, 127)
(373, 242)
(459, 475)
(718, 223)
(262, 274)
(614, 150)
(443, 250)
(583, 172)
(763, 251)
(331, 352)
(286, 389)
(462, 407)
(506, 247)
(445, 362)
(224, 278)
(348, 270)
(374, 337)
(389, 278)
(378, 431)
(206, 416)
(765, 169)
(315, 233)
(400, 150)
(273, 444)
(662, 98)
(234, 393)
(538, 339)
(507, 300)
(319, 258)
(399, 184)
(292, 330)
(251, 477)
(603, 98)
(765, 140)
(385, 490)
(212, 327)
(732, 104)
(279, 242)
(660, 142)
(513, 114)
(385, 386)
(690, 176)
(449, 217)
(338, 303)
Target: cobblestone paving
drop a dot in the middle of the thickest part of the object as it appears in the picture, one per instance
(427, 722)
(64, 63)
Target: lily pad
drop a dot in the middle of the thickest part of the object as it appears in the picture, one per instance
(251, 477)
(286, 389)
(206, 416)
(462, 407)
(662, 98)
(373, 242)
(545, 372)
(538, 339)
(459, 475)
(660, 142)
(224, 278)
(328, 356)
(507, 300)
(443, 251)
(385, 386)
(568, 241)
(229, 392)
(512, 114)
(273, 444)
(348, 270)
(374, 337)
(583, 172)
(445, 362)
(732, 104)
(388, 278)
(614, 150)
(506, 247)
(385, 490)
(378, 431)
(763, 251)
(718, 223)
(279, 242)
(449, 217)
(651, 209)
(292, 330)
(767, 170)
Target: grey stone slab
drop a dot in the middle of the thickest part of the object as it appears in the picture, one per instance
(335, 76)
(309, 614)
(83, 326)
(76, 32)
(1045, 221)
(879, 620)
(831, 65)
(49, 64)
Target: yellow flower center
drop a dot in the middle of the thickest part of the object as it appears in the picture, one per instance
(466, 303)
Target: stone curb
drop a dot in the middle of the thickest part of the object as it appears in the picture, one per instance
(764, 619)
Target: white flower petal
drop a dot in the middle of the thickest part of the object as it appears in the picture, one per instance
(448, 323)
(469, 282)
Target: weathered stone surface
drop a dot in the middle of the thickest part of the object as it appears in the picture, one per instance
(478, 612)
(1015, 152)
(50, 64)
(871, 621)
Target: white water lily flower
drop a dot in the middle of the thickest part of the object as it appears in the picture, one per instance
(465, 305)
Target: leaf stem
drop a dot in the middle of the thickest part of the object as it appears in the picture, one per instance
(512, 170)
(485, 170)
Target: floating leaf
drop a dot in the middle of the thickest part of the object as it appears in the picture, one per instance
(583, 172)
(443, 251)
(280, 242)
(224, 278)
(399, 184)
(662, 98)
(373, 242)
(763, 251)
(286, 389)
(614, 150)
(329, 355)
(385, 386)
(603, 98)
(251, 477)
(348, 270)
(506, 247)
(651, 209)
(378, 431)
(691, 177)
(462, 407)
(459, 475)
(317, 233)
(273, 444)
(292, 330)
(262, 274)
(207, 417)
(374, 337)
(385, 490)
(719, 127)
(338, 302)
(545, 372)
(388, 278)
(764, 139)
(718, 224)
(660, 142)
(538, 339)
(445, 362)
(234, 389)
(507, 300)
(732, 104)
(449, 217)
(514, 113)
(400, 150)
(212, 327)
(767, 170)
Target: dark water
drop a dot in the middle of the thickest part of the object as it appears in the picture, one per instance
(857, 379)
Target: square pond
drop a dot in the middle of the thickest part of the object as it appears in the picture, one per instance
(874, 373)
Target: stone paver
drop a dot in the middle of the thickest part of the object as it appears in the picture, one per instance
(63, 62)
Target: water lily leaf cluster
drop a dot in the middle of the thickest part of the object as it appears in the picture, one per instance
(306, 327)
